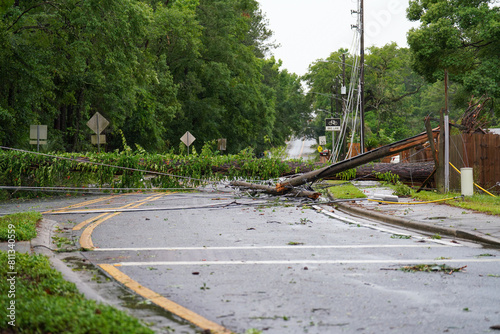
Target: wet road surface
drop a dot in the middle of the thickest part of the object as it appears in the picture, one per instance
(237, 263)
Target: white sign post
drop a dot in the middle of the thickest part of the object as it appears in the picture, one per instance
(188, 139)
(322, 140)
(97, 124)
(38, 135)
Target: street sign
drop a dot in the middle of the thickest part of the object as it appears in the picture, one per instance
(101, 140)
(221, 144)
(320, 149)
(38, 135)
(322, 140)
(97, 123)
(188, 139)
(332, 124)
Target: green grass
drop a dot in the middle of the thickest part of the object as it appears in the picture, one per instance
(21, 225)
(46, 303)
(478, 202)
(344, 190)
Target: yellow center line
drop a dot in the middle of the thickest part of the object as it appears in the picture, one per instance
(85, 203)
(85, 222)
(163, 302)
(86, 237)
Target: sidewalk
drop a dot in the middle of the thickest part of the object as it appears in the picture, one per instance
(434, 218)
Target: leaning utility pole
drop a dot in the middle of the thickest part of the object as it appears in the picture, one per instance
(356, 161)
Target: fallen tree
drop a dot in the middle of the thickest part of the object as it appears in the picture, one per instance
(407, 172)
(356, 161)
(332, 170)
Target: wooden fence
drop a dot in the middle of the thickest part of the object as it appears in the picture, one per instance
(477, 150)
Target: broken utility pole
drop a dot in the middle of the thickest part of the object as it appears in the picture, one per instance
(356, 161)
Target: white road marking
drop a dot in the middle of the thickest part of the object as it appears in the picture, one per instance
(302, 262)
(383, 229)
(265, 247)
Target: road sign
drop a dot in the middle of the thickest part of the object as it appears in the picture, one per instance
(322, 140)
(38, 135)
(221, 144)
(332, 124)
(101, 140)
(320, 149)
(97, 123)
(188, 139)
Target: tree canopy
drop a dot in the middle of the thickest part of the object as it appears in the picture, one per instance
(154, 69)
(462, 36)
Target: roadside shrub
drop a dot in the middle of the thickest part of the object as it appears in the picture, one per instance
(46, 303)
(24, 225)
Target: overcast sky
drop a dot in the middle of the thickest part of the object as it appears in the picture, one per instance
(311, 29)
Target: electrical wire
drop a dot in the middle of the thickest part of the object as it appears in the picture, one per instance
(486, 191)
(411, 203)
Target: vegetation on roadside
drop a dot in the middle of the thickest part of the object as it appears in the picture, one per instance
(344, 190)
(46, 303)
(156, 70)
(20, 225)
(134, 169)
(478, 202)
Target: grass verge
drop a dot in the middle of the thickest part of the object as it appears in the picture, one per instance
(45, 303)
(344, 190)
(22, 225)
(477, 202)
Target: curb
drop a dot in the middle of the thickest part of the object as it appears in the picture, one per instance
(405, 222)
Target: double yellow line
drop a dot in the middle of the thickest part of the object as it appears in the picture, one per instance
(86, 236)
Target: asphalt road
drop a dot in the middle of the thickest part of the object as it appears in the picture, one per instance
(230, 262)
(301, 148)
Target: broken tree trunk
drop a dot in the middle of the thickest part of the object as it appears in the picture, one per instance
(356, 161)
(407, 172)
(273, 191)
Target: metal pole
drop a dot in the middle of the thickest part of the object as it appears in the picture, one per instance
(362, 77)
(98, 135)
(341, 140)
(38, 138)
(446, 136)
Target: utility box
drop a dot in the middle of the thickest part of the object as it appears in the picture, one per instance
(467, 181)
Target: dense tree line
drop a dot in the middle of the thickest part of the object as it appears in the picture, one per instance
(154, 69)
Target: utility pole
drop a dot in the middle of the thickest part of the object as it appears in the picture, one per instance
(446, 136)
(362, 77)
(343, 92)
